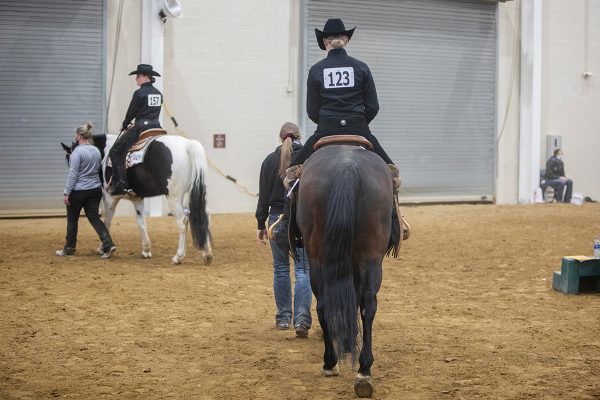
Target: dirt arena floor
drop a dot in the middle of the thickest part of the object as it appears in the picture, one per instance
(466, 312)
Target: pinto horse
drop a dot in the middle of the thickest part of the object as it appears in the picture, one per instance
(344, 212)
(173, 166)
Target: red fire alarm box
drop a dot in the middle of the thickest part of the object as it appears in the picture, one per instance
(219, 141)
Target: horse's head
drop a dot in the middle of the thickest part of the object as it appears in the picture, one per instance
(97, 140)
(68, 150)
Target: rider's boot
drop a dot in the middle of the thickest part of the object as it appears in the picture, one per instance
(119, 188)
(396, 179)
(397, 182)
(119, 179)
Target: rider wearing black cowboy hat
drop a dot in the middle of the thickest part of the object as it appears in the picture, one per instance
(341, 96)
(145, 107)
(342, 100)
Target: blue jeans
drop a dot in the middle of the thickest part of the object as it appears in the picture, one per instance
(282, 285)
(563, 190)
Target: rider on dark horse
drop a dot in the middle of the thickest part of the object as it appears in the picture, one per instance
(341, 97)
(145, 107)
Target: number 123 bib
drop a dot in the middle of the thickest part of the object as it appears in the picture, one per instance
(338, 77)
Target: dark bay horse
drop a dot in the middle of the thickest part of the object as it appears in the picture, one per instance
(176, 167)
(344, 212)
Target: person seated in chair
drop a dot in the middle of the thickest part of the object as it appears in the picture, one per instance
(145, 108)
(341, 96)
(555, 177)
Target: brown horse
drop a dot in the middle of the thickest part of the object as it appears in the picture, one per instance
(344, 211)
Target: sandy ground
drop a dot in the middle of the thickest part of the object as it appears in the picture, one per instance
(467, 312)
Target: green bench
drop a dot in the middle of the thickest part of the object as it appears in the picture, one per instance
(577, 274)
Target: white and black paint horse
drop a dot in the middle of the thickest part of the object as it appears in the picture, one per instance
(173, 166)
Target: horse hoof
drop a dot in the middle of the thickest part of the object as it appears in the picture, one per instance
(146, 254)
(175, 260)
(100, 250)
(207, 260)
(335, 371)
(363, 387)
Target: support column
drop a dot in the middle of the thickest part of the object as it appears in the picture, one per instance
(152, 44)
(531, 99)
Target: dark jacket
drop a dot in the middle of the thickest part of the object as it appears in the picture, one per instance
(340, 85)
(144, 107)
(271, 191)
(555, 168)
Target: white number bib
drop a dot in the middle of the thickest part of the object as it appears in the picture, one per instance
(154, 100)
(338, 77)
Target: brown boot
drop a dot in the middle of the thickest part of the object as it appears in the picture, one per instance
(404, 225)
(405, 228)
(396, 179)
(291, 174)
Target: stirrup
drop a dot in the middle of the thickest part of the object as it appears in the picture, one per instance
(405, 226)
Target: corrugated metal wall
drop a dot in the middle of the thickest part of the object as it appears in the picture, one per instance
(51, 75)
(434, 64)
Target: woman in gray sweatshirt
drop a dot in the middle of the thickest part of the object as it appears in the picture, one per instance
(84, 190)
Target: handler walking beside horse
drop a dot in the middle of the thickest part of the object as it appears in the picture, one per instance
(270, 206)
(84, 190)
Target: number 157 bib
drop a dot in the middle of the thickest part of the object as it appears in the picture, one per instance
(338, 77)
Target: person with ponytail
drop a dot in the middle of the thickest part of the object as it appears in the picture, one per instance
(83, 190)
(269, 208)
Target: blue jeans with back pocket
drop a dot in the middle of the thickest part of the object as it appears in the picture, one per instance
(282, 285)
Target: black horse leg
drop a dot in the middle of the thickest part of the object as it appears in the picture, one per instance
(371, 279)
(368, 309)
(330, 367)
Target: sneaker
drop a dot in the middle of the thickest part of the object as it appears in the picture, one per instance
(109, 253)
(301, 331)
(282, 326)
(64, 253)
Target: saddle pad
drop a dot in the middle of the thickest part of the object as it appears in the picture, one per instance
(353, 140)
(136, 153)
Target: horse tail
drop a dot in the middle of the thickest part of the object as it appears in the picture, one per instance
(199, 219)
(339, 295)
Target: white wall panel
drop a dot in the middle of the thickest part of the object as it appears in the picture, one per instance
(570, 103)
(227, 70)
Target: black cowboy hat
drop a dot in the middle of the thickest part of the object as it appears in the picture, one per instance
(333, 27)
(144, 69)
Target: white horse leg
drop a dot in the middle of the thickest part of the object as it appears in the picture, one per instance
(110, 206)
(181, 216)
(141, 221)
(207, 254)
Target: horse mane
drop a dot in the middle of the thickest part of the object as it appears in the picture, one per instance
(99, 141)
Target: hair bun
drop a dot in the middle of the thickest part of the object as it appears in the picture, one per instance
(89, 125)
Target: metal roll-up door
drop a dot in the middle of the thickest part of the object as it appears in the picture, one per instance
(51, 75)
(434, 65)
